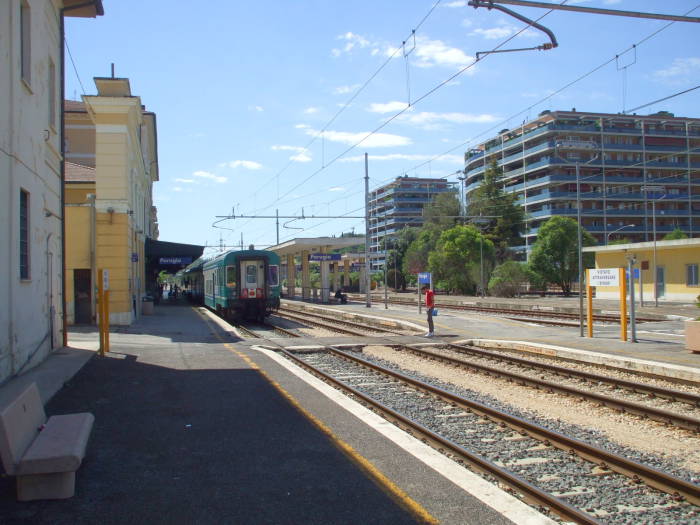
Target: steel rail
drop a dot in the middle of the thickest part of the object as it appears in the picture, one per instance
(341, 321)
(531, 492)
(523, 313)
(640, 388)
(654, 478)
(327, 326)
(664, 416)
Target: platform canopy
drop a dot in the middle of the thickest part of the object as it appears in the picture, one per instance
(316, 244)
(170, 256)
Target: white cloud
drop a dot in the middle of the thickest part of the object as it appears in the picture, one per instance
(352, 41)
(679, 71)
(336, 188)
(210, 176)
(302, 126)
(256, 108)
(430, 120)
(377, 140)
(501, 31)
(344, 90)
(301, 157)
(457, 3)
(429, 53)
(298, 149)
(247, 164)
(411, 157)
(310, 110)
(389, 107)
(177, 188)
(185, 181)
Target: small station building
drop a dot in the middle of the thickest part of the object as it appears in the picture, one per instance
(677, 265)
(307, 250)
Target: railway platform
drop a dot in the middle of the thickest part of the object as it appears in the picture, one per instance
(195, 426)
(660, 342)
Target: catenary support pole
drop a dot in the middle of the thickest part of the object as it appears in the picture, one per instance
(368, 280)
(580, 250)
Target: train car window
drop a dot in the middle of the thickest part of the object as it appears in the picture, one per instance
(273, 275)
(231, 275)
(251, 274)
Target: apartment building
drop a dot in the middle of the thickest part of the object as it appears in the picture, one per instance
(111, 165)
(397, 205)
(31, 232)
(636, 174)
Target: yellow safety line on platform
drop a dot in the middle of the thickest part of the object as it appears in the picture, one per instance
(380, 479)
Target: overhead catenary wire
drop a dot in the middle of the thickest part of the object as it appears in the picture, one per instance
(519, 113)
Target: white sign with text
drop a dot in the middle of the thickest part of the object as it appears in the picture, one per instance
(604, 277)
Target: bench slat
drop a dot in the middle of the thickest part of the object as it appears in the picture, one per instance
(60, 447)
(19, 425)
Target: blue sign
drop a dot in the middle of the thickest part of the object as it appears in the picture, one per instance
(424, 278)
(635, 272)
(324, 257)
(134, 257)
(175, 260)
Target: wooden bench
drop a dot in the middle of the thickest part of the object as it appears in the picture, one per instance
(43, 455)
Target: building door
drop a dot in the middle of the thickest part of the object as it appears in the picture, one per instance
(82, 290)
(661, 280)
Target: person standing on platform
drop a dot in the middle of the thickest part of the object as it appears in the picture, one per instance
(429, 306)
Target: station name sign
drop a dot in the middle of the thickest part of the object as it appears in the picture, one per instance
(604, 277)
(318, 257)
(175, 260)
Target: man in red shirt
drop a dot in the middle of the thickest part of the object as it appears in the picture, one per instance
(429, 305)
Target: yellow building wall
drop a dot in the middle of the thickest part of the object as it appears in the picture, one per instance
(113, 254)
(77, 250)
(674, 261)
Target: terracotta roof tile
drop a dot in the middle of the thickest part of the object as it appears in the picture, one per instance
(79, 173)
(74, 105)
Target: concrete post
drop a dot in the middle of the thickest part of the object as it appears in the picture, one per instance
(336, 276)
(324, 267)
(291, 276)
(346, 272)
(363, 279)
(305, 281)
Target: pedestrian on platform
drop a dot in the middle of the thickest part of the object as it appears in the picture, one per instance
(429, 306)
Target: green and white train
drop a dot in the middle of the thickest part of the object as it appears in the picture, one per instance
(242, 284)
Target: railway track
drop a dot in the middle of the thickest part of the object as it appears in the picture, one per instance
(645, 397)
(251, 332)
(516, 314)
(579, 482)
(333, 323)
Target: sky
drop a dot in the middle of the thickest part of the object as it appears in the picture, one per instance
(271, 106)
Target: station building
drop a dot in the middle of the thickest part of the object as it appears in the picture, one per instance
(632, 169)
(31, 198)
(111, 165)
(677, 266)
(399, 204)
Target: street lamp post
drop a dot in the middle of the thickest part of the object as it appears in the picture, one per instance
(655, 189)
(607, 238)
(578, 144)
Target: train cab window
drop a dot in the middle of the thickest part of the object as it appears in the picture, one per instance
(251, 274)
(273, 275)
(231, 276)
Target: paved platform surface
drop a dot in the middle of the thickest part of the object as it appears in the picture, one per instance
(661, 341)
(187, 432)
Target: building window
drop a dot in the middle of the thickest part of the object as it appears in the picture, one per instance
(23, 235)
(52, 95)
(25, 42)
(691, 274)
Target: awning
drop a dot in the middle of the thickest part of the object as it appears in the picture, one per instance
(170, 256)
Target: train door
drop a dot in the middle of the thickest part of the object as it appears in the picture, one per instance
(252, 279)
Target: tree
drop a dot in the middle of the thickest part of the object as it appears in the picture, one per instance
(555, 254)
(507, 218)
(455, 262)
(676, 234)
(508, 278)
(416, 258)
(442, 212)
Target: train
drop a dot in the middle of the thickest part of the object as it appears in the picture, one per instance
(238, 284)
